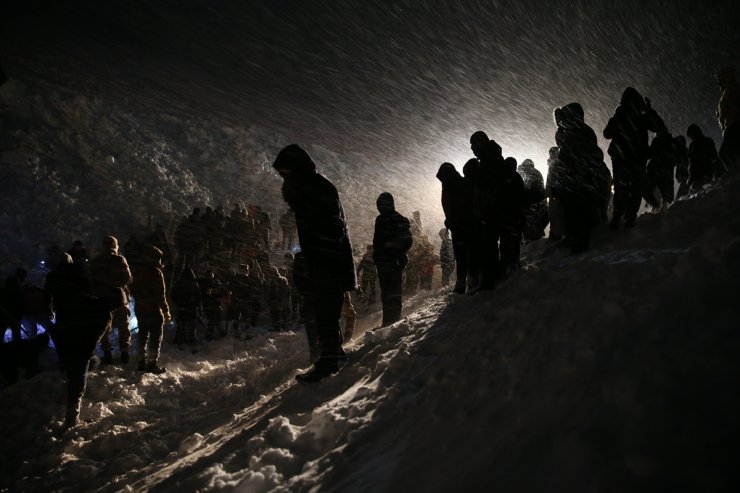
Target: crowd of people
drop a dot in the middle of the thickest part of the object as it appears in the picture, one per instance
(227, 274)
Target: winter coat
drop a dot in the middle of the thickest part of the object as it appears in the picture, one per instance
(366, 268)
(534, 184)
(579, 172)
(663, 155)
(457, 199)
(320, 221)
(148, 287)
(109, 271)
(392, 238)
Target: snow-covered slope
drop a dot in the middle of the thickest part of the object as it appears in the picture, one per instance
(614, 370)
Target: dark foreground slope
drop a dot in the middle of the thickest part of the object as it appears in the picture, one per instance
(615, 370)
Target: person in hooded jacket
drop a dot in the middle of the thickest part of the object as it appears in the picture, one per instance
(728, 115)
(475, 246)
(628, 132)
(368, 276)
(510, 203)
(152, 310)
(391, 241)
(188, 301)
(457, 204)
(554, 206)
(324, 240)
(81, 319)
(703, 158)
(581, 182)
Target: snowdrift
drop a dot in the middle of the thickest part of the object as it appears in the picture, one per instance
(613, 370)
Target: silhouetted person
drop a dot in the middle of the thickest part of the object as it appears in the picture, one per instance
(446, 256)
(78, 253)
(152, 310)
(554, 206)
(324, 240)
(391, 241)
(187, 298)
(628, 131)
(475, 242)
(457, 204)
(703, 158)
(682, 165)
(728, 115)
(510, 206)
(110, 270)
(581, 182)
(663, 158)
(81, 320)
(535, 205)
(487, 200)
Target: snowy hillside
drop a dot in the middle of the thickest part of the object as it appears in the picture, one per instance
(614, 370)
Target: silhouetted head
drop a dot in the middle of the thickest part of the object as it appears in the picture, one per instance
(680, 140)
(369, 249)
(726, 77)
(110, 243)
(528, 163)
(510, 163)
(151, 254)
(478, 141)
(554, 151)
(573, 112)
(630, 97)
(694, 131)
(293, 160)
(470, 168)
(385, 203)
(447, 172)
(417, 217)
(443, 233)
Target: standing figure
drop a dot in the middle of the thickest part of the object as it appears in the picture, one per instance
(703, 158)
(663, 158)
(535, 205)
(186, 295)
(554, 206)
(682, 165)
(152, 310)
(324, 240)
(350, 317)
(457, 204)
(581, 179)
(110, 270)
(728, 115)
(80, 321)
(391, 241)
(446, 256)
(628, 131)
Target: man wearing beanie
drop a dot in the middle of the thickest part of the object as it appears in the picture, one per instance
(324, 241)
(110, 270)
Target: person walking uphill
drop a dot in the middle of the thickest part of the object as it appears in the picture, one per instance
(391, 241)
(628, 131)
(325, 243)
(152, 309)
(110, 270)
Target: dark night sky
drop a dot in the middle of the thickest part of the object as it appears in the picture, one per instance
(403, 82)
